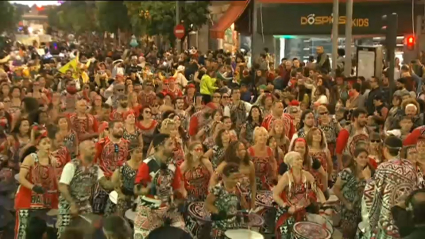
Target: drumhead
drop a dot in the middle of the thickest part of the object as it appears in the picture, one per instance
(197, 210)
(243, 234)
(130, 215)
(264, 198)
(311, 230)
(113, 196)
(52, 212)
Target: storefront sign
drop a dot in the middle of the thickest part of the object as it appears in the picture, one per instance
(312, 19)
(316, 18)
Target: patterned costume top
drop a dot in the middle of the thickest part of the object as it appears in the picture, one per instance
(348, 139)
(60, 157)
(80, 187)
(330, 130)
(196, 181)
(263, 168)
(217, 156)
(287, 123)
(132, 138)
(146, 99)
(238, 114)
(111, 155)
(70, 142)
(393, 180)
(147, 134)
(43, 176)
(84, 125)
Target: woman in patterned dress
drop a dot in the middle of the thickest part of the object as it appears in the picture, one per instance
(330, 128)
(216, 154)
(147, 125)
(196, 171)
(224, 201)
(68, 135)
(310, 164)
(38, 185)
(349, 188)
(123, 179)
(263, 158)
(278, 132)
(237, 153)
(317, 149)
(255, 118)
(295, 191)
(131, 132)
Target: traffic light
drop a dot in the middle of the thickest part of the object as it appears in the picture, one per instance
(389, 28)
(410, 42)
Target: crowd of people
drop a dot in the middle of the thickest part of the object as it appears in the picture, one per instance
(124, 143)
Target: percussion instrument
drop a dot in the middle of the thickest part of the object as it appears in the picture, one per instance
(309, 230)
(242, 234)
(150, 202)
(264, 199)
(113, 197)
(130, 215)
(321, 220)
(361, 229)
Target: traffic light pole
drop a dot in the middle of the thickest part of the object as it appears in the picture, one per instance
(178, 41)
(391, 43)
(348, 37)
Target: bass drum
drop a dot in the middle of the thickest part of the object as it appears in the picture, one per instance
(242, 234)
(321, 220)
(310, 230)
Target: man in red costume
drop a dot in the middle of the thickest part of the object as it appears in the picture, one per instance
(118, 113)
(277, 113)
(111, 152)
(350, 136)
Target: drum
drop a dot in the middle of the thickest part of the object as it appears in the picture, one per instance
(309, 230)
(52, 217)
(113, 196)
(242, 234)
(264, 199)
(361, 229)
(197, 218)
(150, 202)
(130, 215)
(253, 220)
(321, 220)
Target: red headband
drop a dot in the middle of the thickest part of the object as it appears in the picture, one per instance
(300, 140)
(43, 135)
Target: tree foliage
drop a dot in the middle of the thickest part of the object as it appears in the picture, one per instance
(10, 16)
(76, 17)
(112, 15)
(162, 15)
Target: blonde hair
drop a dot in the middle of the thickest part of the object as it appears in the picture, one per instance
(289, 157)
(258, 130)
(166, 123)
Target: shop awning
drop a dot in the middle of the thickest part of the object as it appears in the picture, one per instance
(235, 9)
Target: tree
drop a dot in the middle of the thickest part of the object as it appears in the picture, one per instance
(112, 16)
(159, 17)
(74, 16)
(9, 15)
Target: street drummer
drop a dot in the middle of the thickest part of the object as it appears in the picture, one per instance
(123, 179)
(158, 181)
(224, 201)
(295, 191)
(77, 179)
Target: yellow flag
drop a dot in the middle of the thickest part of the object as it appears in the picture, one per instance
(72, 65)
